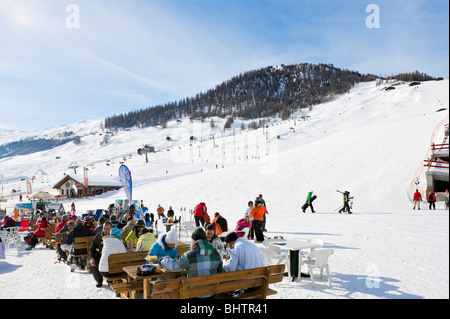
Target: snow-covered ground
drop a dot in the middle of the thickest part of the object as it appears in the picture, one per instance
(370, 142)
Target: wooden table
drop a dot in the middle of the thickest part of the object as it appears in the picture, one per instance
(131, 272)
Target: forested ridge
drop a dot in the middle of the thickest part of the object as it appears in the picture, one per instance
(267, 92)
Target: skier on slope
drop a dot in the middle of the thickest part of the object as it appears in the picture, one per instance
(309, 199)
(346, 199)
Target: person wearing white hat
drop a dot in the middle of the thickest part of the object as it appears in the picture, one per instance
(166, 245)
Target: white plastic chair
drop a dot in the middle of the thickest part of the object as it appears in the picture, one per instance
(267, 259)
(316, 242)
(276, 255)
(318, 258)
(11, 237)
(186, 228)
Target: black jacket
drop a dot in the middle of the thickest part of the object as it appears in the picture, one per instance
(78, 231)
(97, 246)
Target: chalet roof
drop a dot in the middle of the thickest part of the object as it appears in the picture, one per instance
(93, 180)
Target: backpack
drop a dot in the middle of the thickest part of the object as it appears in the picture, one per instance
(146, 270)
(28, 237)
(10, 223)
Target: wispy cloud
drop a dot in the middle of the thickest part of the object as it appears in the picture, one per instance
(135, 54)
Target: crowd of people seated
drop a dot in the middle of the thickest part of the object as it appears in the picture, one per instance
(209, 253)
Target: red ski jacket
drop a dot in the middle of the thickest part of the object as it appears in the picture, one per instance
(417, 196)
(200, 210)
(431, 198)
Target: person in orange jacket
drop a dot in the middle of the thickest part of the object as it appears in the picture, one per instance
(258, 213)
(220, 223)
(160, 211)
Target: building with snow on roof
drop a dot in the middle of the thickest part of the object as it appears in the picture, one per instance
(75, 185)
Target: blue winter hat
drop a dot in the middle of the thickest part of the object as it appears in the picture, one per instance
(115, 232)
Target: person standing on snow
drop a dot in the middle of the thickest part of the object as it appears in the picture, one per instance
(309, 199)
(417, 199)
(346, 199)
(432, 200)
(251, 234)
(258, 213)
(160, 211)
(260, 197)
(200, 212)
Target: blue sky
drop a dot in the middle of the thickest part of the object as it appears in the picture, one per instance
(128, 55)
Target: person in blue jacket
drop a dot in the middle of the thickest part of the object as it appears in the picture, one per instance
(166, 245)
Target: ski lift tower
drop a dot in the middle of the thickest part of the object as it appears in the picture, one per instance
(74, 166)
(145, 150)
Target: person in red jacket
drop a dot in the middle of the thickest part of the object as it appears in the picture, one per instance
(40, 232)
(200, 213)
(417, 199)
(65, 219)
(432, 200)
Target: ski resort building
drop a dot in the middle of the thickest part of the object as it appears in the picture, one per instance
(74, 185)
(437, 174)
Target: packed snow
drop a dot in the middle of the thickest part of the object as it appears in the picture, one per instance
(370, 142)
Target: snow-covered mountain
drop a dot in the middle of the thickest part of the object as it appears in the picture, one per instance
(368, 131)
(371, 142)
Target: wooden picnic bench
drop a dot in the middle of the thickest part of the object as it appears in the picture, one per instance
(136, 283)
(82, 243)
(255, 281)
(182, 247)
(49, 239)
(116, 262)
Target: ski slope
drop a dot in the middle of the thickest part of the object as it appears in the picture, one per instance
(370, 142)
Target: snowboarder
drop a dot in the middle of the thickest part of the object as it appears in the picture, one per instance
(346, 198)
(417, 199)
(432, 200)
(309, 199)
